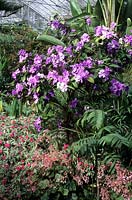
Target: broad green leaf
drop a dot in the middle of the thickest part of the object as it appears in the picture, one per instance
(115, 140)
(65, 192)
(44, 184)
(89, 7)
(74, 196)
(75, 8)
(1, 106)
(91, 80)
(129, 30)
(50, 39)
(129, 22)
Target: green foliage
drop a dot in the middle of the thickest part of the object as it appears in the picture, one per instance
(13, 38)
(116, 140)
(5, 38)
(94, 117)
(75, 8)
(103, 12)
(3, 63)
(61, 97)
(3, 68)
(50, 39)
(114, 11)
(85, 146)
(129, 26)
(79, 86)
(15, 156)
(16, 108)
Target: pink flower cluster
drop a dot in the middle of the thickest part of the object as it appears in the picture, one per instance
(117, 183)
(16, 143)
(61, 162)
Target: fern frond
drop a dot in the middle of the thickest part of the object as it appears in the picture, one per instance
(61, 97)
(86, 145)
(94, 117)
(108, 129)
(111, 159)
(114, 140)
(129, 138)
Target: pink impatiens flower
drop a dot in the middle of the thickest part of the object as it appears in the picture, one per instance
(7, 145)
(65, 146)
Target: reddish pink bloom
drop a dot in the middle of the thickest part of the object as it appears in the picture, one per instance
(22, 167)
(12, 135)
(13, 122)
(13, 127)
(7, 145)
(22, 140)
(1, 133)
(65, 146)
(28, 164)
(31, 139)
(80, 163)
(18, 168)
(27, 137)
(1, 142)
(85, 165)
(3, 157)
(91, 167)
(1, 151)
(78, 159)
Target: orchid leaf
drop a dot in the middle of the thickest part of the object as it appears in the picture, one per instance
(50, 39)
(75, 8)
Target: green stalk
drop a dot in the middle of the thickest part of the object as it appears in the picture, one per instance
(106, 11)
(109, 4)
(97, 181)
(109, 12)
(117, 19)
(113, 11)
(103, 12)
(89, 9)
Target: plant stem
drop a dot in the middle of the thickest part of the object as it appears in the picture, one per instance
(117, 19)
(96, 164)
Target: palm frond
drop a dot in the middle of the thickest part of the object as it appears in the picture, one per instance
(94, 117)
(86, 145)
(111, 159)
(61, 97)
(115, 140)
